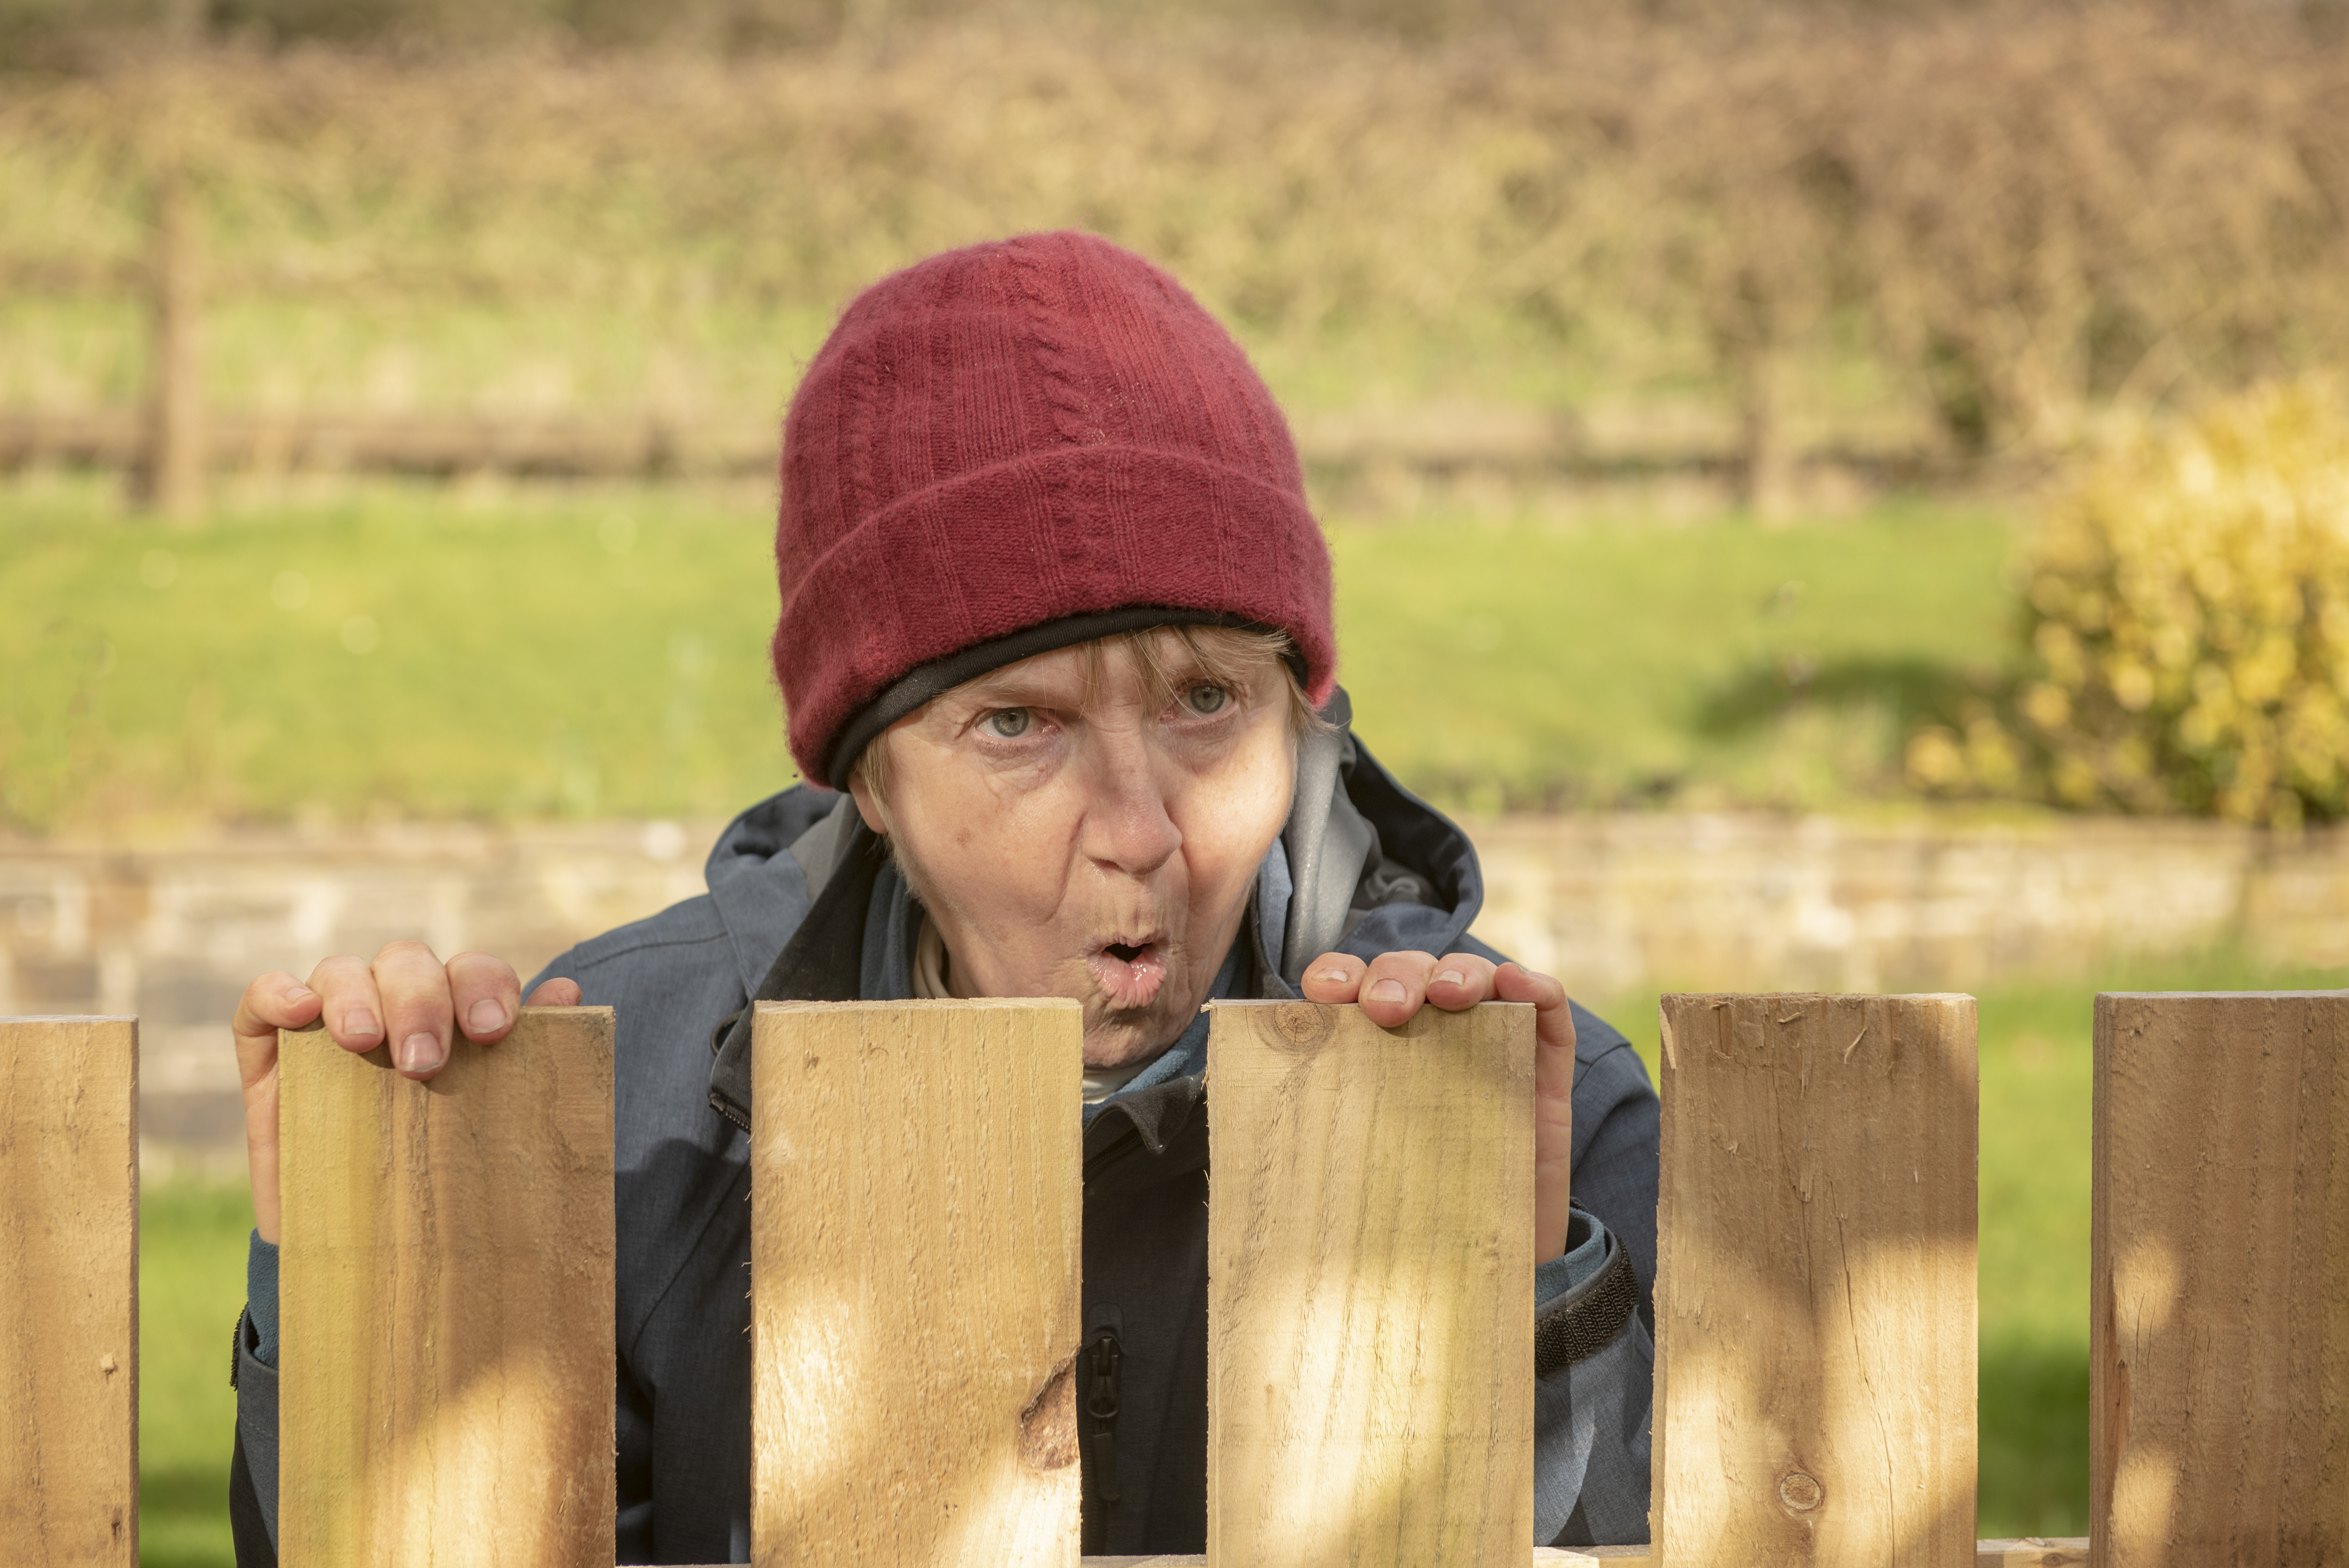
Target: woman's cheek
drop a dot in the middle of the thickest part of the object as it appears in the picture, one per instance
(1235, 815)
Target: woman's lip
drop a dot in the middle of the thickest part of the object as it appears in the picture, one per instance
(1129, 982)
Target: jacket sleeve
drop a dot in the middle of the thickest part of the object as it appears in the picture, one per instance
(253, 1467)
(1594, 1359)
(1594, 1370)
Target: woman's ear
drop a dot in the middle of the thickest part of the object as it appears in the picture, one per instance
(868, 801)
(868, 806)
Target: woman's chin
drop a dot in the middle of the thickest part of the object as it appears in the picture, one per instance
(1122, 1037)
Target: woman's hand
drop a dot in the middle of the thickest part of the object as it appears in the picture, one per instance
(407, 997)
(1390, 989)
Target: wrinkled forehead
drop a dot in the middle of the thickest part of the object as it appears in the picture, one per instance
(1140, 665)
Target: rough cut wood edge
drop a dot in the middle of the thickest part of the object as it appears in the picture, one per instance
(2219, 1309)
(918, 1224)
(70, 1291)
(1370, 1327)
(446, 1301)
(1815, 1362)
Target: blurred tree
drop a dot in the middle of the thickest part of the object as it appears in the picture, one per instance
(34, 31)
(2186, 609)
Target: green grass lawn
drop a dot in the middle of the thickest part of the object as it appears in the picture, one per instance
(191, 1239)
(1624, 662)
(541, 651)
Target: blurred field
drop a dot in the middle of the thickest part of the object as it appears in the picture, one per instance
(1915, 231)
(420, 651)
(191, 1242)
(2034, 1278)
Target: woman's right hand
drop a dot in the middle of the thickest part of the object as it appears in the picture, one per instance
(406, 996)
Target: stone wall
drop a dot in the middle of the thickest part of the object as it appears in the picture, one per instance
(1761, 903)
(173, 931)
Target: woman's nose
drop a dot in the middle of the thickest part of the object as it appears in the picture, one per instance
(1127, 825)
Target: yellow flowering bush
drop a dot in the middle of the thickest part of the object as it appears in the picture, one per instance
(2186, 607)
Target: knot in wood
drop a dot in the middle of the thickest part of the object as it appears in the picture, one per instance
(1300, 1027)
(1800, 1493)
(1048, 1426)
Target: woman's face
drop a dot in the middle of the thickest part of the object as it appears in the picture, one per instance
(1072, 838)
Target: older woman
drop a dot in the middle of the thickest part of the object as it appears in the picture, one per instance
(1057, 652)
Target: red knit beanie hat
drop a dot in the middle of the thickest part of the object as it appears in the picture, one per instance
(1014, 448)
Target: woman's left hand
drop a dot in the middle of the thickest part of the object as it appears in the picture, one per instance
(1390, 989)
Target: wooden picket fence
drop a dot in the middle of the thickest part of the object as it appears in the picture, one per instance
(446, 1290)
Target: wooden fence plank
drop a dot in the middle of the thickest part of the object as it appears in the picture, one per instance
(916, 1230)
(2219, 1282)
(2031, 1551)
(1369, 1305)
(445, 1297)
(68, 1291)
(1815, 1282)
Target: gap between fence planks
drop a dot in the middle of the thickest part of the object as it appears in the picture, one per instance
(2219, 1281)
(1369, 1302)
(445, 1298)
(1815, 1283)
(916, 1231)
(70, 1291)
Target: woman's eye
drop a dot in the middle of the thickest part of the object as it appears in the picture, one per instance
(1007, 723)
(1206, 700)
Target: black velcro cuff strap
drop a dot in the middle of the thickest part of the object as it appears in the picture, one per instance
(1587, 1321)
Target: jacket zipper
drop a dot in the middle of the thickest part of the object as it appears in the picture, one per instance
(1104, 1357)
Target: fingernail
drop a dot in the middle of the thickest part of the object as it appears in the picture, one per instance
(419, 1054)
(1387, 991)
(360, 1025)
(1334, 976)
(487, 1017)
(299, 994)
(1452, 977)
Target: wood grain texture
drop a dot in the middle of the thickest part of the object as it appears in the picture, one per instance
(1369, 1305)
(916, 1229)
(2033, 1552)
(2029, 1551)
(445, 1303)
(2219, 1281)
(69, 1291)
(1815, 1282)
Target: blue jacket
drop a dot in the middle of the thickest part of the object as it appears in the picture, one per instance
(800, 905)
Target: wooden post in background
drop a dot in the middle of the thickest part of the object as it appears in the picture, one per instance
(916, 1230)
(2219, 1291)
(1815, 1282)
(171, 474)
(70, 1291)
(445, 1299)
(1369, 1297)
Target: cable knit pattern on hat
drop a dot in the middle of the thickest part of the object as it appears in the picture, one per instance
(1015, 434)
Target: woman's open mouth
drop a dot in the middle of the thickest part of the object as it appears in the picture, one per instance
(1129, 974)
